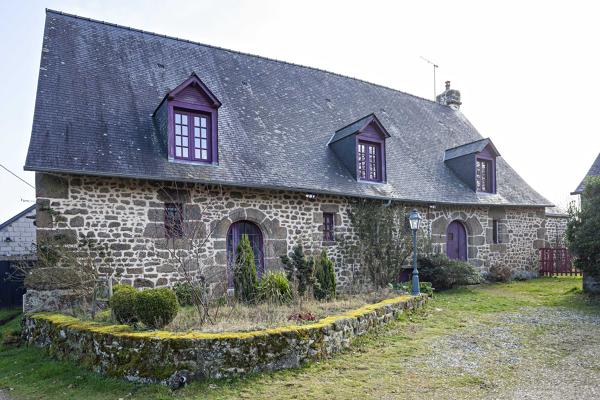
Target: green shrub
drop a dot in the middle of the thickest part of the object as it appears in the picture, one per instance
(123, 304)
(299, 269)
(245, 280)
(274, 287)
(444, 273)
(583, 228)
(325, 277)
(500, 273)
(156, 308)
(424, 287)
(185, 293)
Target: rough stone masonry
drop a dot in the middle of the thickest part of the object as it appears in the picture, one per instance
(126, 217)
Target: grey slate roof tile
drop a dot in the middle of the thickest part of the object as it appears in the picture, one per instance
(594, 171)
(99, 84)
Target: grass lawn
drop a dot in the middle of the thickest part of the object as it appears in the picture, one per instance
(467, 343)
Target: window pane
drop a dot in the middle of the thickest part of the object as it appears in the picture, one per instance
(204, 132)
(178, 129)
(185, 152)
(204, 146)
(177, 140)
(185, 141)
(197, 143)
(203, 122)
(177, 118)
(184, 119)
(184, 130)
(362, 164)
(196, 132)
(196, 121)
(197, 153)
(178, 151)
(204, 155)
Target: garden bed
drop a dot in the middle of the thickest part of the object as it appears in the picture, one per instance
(170, 357)
(234, 316)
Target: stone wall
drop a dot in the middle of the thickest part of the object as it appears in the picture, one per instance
(166, 357)
(556, 228)
(127, 217)
(17, 238)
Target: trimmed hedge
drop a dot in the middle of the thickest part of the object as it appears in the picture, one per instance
(156, 308)
(325, 277)
(123, 304)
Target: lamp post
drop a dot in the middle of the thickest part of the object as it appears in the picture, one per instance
(415, 221)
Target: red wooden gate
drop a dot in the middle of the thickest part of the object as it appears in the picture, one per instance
(556, 261)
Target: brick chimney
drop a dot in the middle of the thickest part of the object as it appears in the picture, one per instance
(450, 97)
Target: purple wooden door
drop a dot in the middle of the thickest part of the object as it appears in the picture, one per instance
(236, 230)
(456, 241)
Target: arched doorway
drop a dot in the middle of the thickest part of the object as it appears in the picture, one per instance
(456, 241)
(234, 235)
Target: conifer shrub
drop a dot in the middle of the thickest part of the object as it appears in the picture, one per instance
(123, 304)
(583, 229)
(156, 308)
(245, 280)
(299, 269)
(274, 287)
(185, 293)
(324, 277)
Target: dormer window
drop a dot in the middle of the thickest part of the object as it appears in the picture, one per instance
(192, 141)
(369, 161)
(475, 164)
(187, 117)
(360, 147)
(484, 175)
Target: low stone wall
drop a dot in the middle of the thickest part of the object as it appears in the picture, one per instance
(173, 357)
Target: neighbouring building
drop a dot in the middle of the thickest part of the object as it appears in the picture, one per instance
(594, 171)
(17, 241)
(138, 136)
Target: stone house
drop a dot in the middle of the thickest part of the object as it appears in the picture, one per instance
(138, 136)
(17, 240)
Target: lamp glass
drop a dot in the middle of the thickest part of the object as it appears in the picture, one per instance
(415, 220)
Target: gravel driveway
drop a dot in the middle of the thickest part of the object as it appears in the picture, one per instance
(537, 353)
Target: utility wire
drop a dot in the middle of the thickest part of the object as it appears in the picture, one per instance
(17, 176)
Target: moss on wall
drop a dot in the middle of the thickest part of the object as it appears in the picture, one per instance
(162, 356)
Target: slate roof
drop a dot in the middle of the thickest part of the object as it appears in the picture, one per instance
(99, 84)
(16, 217)
(469, 148)
(594, 171)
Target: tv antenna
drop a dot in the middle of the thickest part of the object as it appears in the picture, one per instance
(435, 66)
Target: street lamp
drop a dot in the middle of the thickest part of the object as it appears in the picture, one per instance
(415, 221)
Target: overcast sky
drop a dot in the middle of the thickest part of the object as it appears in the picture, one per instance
(527, 71)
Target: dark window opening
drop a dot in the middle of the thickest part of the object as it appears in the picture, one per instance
(369, 161)
(173, 220)
(192, 139)
(328, 227)
(495, 231)
(484, 176)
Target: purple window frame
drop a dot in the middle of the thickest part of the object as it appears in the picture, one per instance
(195, 109)
(328, 227)
(495, 231)
(491, 174)
(173, 220)
(378, 146)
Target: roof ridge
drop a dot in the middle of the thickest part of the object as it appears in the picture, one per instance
(49, 10)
